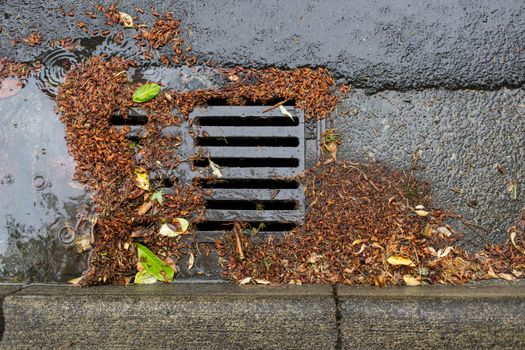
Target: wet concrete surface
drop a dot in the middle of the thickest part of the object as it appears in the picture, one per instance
(461, 137)
(371, 44)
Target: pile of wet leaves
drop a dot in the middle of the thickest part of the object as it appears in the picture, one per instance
(366, 224)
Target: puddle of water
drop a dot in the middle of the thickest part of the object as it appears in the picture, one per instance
(38, 196)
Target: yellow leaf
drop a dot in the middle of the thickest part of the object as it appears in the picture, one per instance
(184, 224)
(215, 169)
(144, 277)
(261, 281)
(285, 112)
(506, 276)
(399, 260)
(75, 281)
(427, 231)
(422, 213)
(126, 19)
(142, 178)
(191, 260)
(245, 280)
(411, 281)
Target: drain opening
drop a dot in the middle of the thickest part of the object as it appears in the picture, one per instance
(248, 141)
(249, 162)
(247, 121)
(251, 205)
(264, 226)
(250, 183)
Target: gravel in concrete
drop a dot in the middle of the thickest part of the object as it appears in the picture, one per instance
(462, 136)
(181, 317)
(433, 318)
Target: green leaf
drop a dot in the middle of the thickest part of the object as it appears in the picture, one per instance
(153, 265)
(157, 195)
(144, 277)
(146, 92)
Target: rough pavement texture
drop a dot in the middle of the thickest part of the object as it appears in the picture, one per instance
(184, 317)
(433, 318)
(373, 44)
(462, 135)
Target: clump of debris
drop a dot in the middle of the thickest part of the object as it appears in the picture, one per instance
(366, 224)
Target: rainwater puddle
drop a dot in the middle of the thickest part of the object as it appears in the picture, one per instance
(40, 203)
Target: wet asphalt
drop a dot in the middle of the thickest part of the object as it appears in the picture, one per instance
(443, 77)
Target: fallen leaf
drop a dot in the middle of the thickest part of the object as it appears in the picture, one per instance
(261, 281)
(411, 281)
(126, 19)
(427, 231)
(83, 243)
(491, 273)
(420, 207)
(245, 280)
(432, 251)
(146, 92)
(512, 186)
(75, 280)
(191, 260)
(233, 77)
(314, 257)
(513, 240)
(144, 208)
(422, 213)
(363, 246)
(399, 260)
(441, 253)
(126, 246)
(331, 148)
(144, 277)
(517, 273)
(285, 112)
(9, 87)
(215, 169)
(166, 230)
(444, 231)
(506, 276)
(157, 196)
(153, 265)
(183, 223)
(142, 179)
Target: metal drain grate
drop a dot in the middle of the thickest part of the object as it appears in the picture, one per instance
(258, 152)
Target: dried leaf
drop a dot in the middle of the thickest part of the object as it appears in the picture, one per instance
(83, 243)
(411, 281)
(285, 112)
(183, 223)
(245, 280)
(144, 208)
(420, 207)
(191, 260)
(512, 186)
(399, 260)
(506, 276)
(422, 213)
(144, 277)
(513, 240)
(215, 169)
(75, 281)
(166, 230)
(261, 281)
(441, 253)
(427, 231)
(142, 178)
(157, 196)
(444, 231)
(363, 246)
(127, 20)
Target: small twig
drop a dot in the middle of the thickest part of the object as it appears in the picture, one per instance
(472, 225)
(238, 244)
(275, 106)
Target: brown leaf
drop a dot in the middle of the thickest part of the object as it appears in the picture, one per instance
(144, 208)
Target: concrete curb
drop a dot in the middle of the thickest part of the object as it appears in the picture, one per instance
(211, 316)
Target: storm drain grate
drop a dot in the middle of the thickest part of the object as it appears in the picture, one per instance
(259, 152)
